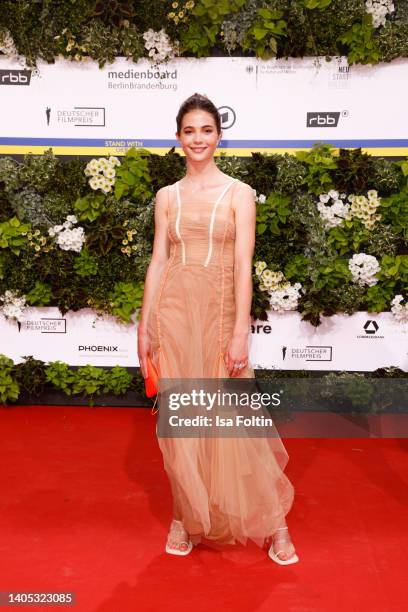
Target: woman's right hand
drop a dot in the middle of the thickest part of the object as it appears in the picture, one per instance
(143, 350)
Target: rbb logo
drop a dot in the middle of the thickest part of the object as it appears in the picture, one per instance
(371, 327)
(15, 77)
(322, 119)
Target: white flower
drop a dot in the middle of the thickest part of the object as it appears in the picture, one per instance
(261, 198)
(333, 194)
(379, 9)
(93, 165)
(109, 172)
(13, 305)
(400, 311)
(68, 239)
(363, 269)
(114, 161)
(285, 298)
(283, 295)
(7, 45)
(324, 197)
(333, 214)
(94, 182)
(259, 267)
(159, 45)
(104, 163)
(102, 172)
(360, 207)
(71, 239)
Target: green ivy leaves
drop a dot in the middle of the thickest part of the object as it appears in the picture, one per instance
(204, 25)
(316, 4)
(88, 380)
(90, 207)
(273, 214)
(319, 160)
(13, 234)
(362, 44)
(263, 35)
(40, 295)
(125, 299)
(132, 176)
(9, 388)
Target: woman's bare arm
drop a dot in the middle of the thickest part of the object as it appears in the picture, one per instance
(245, 224)
(158, 261)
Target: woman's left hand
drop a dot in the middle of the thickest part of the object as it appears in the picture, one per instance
(236, 353)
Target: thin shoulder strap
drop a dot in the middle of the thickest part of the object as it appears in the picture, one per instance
(183, 247)
(212, 220)
(225, 191)
(178, 193)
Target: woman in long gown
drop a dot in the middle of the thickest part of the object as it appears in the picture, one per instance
(195, 323)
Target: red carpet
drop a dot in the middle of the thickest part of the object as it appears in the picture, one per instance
(85, 506)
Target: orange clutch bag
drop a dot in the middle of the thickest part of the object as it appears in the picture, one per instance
(151, 380)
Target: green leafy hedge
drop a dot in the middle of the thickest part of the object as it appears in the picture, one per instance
(34, 377)
(103, 30)
(107, 274)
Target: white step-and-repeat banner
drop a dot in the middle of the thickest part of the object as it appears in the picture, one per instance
(274, 105)
(362, 341)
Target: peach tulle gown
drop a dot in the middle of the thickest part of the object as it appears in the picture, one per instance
(224, 489)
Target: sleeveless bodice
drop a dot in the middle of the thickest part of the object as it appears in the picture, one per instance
(201, 231)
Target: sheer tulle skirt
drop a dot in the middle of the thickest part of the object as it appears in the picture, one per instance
(225, 490)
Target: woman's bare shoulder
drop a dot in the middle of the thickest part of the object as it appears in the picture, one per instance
(165, 192)
(243, 195)
(244, 187)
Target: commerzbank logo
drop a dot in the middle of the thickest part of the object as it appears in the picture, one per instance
(371, 328)
(15, 77)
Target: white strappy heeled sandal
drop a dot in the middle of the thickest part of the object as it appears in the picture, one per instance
(278, 539)
(175, 545)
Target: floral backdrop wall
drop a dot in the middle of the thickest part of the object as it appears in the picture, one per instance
(332, 224)
(367, 31)
(332, 231)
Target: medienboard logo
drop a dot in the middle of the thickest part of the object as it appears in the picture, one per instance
(46, 325)
(309, 353)
(322, 119)
(15, 77)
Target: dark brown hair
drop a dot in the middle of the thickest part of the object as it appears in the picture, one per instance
(201, 102)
